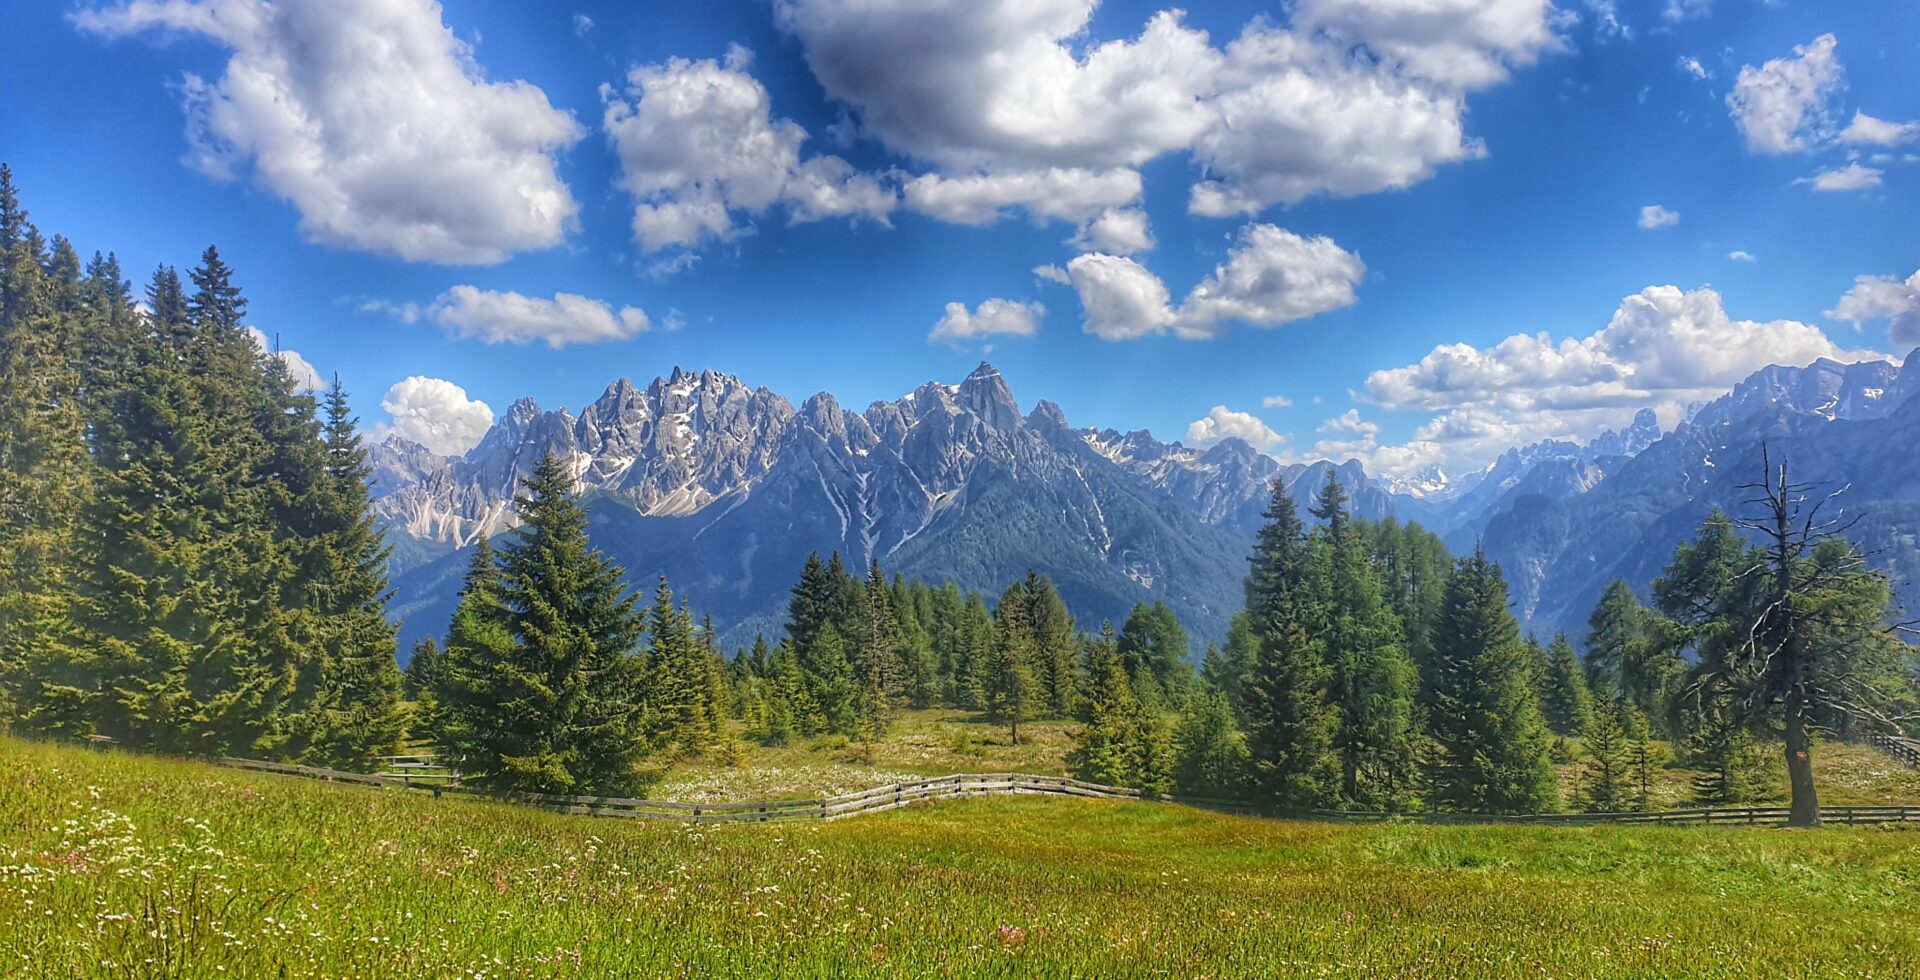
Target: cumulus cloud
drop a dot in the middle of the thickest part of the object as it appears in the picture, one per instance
(1069, 194)
(1662, 349)
(1740, 255)
(1120, 231)
(1865, 130)
(436, 414)
(305, 377)
(993, 317)
(1222, 423)
(1852, 177)
(1785, 105)
(1271, 276)
(697, 142)
(374, 121)
(1353, 97)
(472, 313)
(1884, 298)
(1654, 216)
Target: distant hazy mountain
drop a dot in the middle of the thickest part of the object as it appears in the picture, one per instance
(725, 488)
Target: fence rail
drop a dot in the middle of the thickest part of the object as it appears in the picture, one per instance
(1906, 750)
(963, 785)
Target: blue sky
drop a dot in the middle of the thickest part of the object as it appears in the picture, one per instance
(1385, 198)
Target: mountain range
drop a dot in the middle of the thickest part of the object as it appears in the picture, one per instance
(725, 488)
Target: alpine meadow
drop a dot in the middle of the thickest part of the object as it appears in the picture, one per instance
(1525, 580)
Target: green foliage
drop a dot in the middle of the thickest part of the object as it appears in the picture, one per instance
(1154, 650)
(1123, 742)
(1564, 700)
(1209, 754)
(1490, 743)
(1604, 781)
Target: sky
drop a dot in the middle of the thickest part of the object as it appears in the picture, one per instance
(1413, 232)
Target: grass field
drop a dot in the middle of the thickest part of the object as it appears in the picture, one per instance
(117, 865)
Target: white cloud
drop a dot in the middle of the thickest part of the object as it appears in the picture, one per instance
(1222, 423)
(1276, 401)
(1852, 177)
(1865, 130)
(1010, 87)
(1785, 105)
(1120, 231)
(1662, 349)
(698, 142)
(1271, 277)
(1654, 216)
(507, 317)
(305, 377)
(374, 121)
(1068, 194)
(582, 24)
(1692, 66)
(1739, 255)
(1679, 10)
(436, 414)
(1884, 298)
(993, 317)
(1121, 298)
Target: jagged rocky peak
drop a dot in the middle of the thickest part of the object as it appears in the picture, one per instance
(985, 394)
(1047, 413)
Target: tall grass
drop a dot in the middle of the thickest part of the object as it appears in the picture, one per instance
(114, 865)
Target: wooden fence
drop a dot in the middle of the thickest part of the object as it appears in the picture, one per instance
(962, 785)
(1906, 750)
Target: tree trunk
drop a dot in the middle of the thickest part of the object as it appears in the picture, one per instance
(1806, 803)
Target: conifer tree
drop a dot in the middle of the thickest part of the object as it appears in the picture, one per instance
(1229, 669)
(1054, 653)
(1617, 627)
(1210, 754)
(1564, 699)
(1722, 751)
(877, 667)
(1010, 688)
(830, 680)
(1372, 681)
(1491, 747)
(1154, 649)
(418, 681)
(1642, 757)
(1122, 742)
(1290, 718)
(1604, 779)
(547, 682)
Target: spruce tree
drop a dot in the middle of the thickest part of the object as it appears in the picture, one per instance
(1491, 747)
(876, 666)
(1122, 742)
(1372, 681)
(1290, 717)
(1604, 781)
(1564, 699)
(1053, 641)
(1722, 751)
(1154, 649)
(559, 711)
(422, 665)
(1010, 688)
(1210, 754)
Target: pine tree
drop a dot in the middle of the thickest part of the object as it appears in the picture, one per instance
(1604, 780)
(1491, 747)
(676, 688)
(1054, 654)
(1564, 699)
(1642, 757)
(1010, 688)
(830, 680)
(1210, 755)
(1722, 751)
(1122, 742)
(1229, 669)
(1154, 649)
(423, 664)
(1372, 681)
(1290, 717)
(560, 710)
(877, 668)
(1617, 627)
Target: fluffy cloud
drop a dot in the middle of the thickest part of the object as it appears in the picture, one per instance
(1663, 348)
(1348, 435)
(1276, 401)
(305, 377)
(1221, 423)
(1271, 277)
(1353, 97)
(994, 317)
(1865, 130)
(1654, 216)
(436, 414)
(1119, 231)
(1884, 298)
(1069, 194)
(1852, 177)
(374, 121)
(1785, 105)
(508, 317)
(1740, 255)
(698, 142)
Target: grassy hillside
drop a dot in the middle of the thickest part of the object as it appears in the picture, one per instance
(119, 865)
